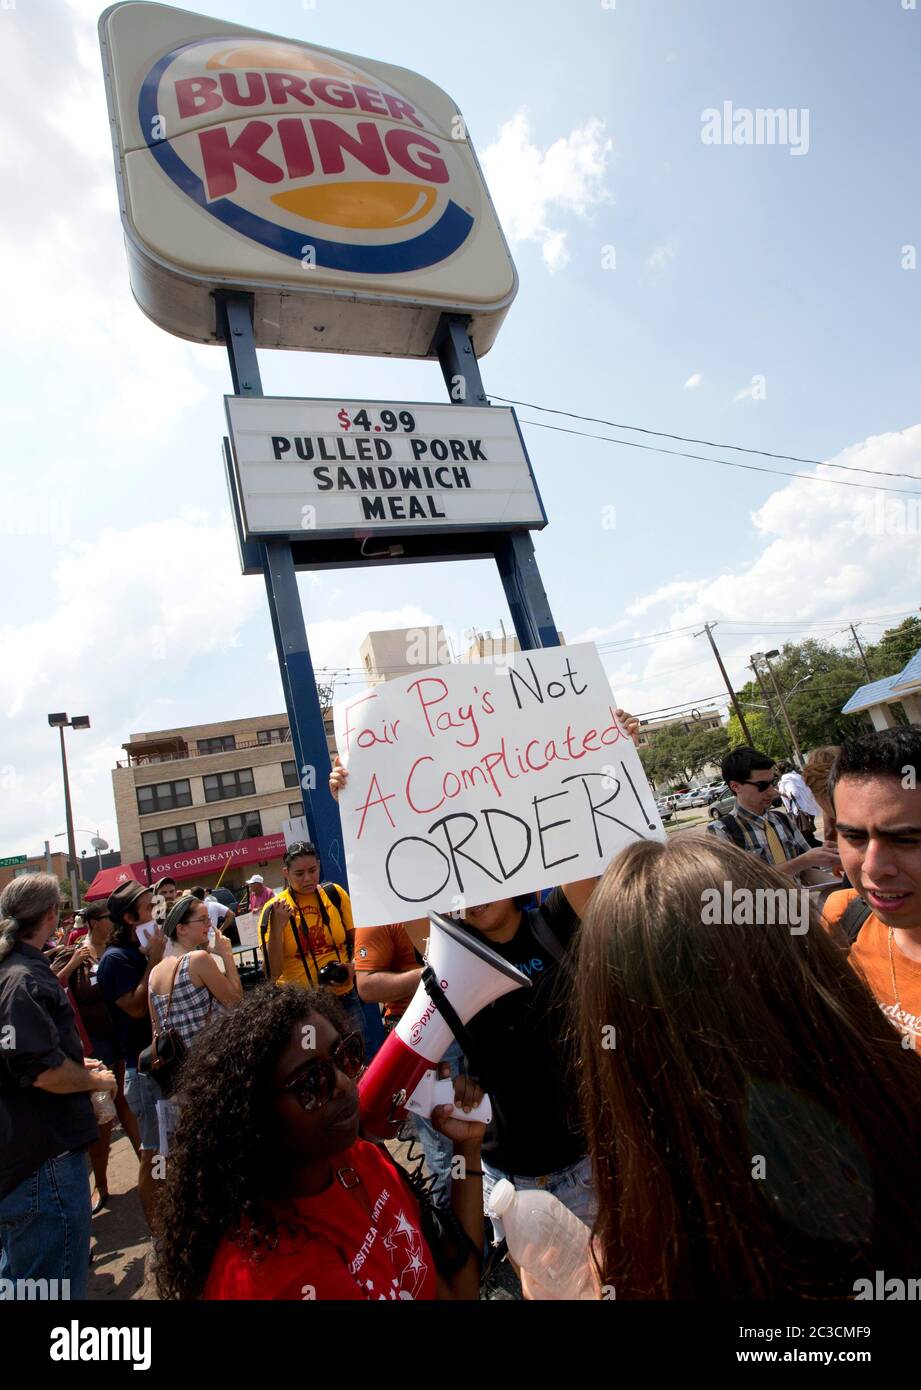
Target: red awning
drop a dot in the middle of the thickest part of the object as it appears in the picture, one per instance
(106, 881)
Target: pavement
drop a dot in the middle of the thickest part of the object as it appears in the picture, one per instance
(120, 1240)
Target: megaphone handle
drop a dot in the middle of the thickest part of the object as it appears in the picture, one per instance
(442, 1093)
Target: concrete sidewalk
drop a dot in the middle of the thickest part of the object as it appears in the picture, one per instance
(120, 1240)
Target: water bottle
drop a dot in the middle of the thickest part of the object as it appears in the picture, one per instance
(103, 1107)
(546, 1240)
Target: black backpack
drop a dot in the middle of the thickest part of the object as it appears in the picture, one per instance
(856, 913)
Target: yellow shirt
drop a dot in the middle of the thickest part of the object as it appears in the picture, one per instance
(318, 943)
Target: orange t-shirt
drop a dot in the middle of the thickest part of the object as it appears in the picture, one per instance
(870, 958)
(385, 948)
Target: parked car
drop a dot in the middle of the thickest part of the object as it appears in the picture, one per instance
(723, 805)
(665, 811)
(685, 802)
(700, 797)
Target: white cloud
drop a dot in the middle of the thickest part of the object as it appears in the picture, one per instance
(531, 187)
(828, 555)
(693, 380)
(132, 614)
(681, 588)
(661, 256)
(747, 393)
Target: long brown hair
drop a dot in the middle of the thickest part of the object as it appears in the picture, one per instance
(752, 1118)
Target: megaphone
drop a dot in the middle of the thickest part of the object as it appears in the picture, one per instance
(470, 976)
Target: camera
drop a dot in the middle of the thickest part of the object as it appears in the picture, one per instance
(334, 974)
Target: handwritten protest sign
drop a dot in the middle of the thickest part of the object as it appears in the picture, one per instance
(469, 783)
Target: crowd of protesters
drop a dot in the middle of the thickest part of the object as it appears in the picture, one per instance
(733, 1109)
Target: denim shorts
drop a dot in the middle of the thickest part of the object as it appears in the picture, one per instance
(142, 1094)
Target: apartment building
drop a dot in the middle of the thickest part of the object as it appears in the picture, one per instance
(650, 727)
(208, 799)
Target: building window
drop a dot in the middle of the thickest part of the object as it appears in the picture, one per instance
(225, 744)
(273, 735)
(170, 840)
(289, 772)
(163, 796)
(228, 829)
(295, 810)
(221, 785)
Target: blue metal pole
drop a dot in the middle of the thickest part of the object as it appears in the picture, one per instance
(302, 702)
(513, 550)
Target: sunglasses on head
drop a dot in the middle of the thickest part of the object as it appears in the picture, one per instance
(313, 1085)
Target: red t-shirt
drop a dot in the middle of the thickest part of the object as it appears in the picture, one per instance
(360, 1242)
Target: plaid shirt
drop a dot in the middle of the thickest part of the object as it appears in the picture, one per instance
(755, 835)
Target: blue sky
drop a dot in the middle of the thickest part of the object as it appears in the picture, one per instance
(732, 262)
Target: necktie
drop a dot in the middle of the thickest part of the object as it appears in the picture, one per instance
(775, 847)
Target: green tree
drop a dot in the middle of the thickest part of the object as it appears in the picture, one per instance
(894, 649)
(675, 754)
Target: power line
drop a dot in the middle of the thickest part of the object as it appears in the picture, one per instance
(724, 463)
(708, 443)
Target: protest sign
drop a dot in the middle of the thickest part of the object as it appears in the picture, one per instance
(473, 782)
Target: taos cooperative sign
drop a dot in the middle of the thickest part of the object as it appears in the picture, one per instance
(469, 783)
(322, 467)
(265, 164)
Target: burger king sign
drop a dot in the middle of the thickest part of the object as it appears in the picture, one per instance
(343, 193)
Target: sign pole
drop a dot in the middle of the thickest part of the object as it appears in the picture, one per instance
(513, 550)
(305, 717)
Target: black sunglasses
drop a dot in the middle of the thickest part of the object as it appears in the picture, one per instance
(762, 786)
(313, 1085)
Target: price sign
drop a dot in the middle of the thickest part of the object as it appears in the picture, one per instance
(328, 466)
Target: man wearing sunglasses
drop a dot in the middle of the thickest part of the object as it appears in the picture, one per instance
(757, 826)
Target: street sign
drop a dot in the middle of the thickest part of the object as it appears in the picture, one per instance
(12, 859)
(323, 467)
(343, 192)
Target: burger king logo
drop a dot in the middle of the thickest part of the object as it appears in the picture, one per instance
(308, 155)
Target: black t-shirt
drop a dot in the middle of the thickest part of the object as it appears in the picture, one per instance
(120, 970)
(37, 1033)
(520, 1038)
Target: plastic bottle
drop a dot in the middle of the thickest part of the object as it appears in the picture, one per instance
(103, 1107)
(546, 1240)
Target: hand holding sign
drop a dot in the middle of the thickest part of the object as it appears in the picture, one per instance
(476, 782)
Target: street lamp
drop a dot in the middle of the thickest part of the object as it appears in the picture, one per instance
(61, 722)
(96, 841)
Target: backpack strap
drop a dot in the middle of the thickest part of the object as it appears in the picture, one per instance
(544, 935)
(856, 913)
(733, 829)
(332, 892)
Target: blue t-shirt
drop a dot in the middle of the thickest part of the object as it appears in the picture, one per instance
(120, 970)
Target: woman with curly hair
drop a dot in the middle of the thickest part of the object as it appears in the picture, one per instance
(270, 1193)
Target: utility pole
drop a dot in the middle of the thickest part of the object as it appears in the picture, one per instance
(61, 722)
(767, 702)
(732, 695)
(863, 655)
(783, 709)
